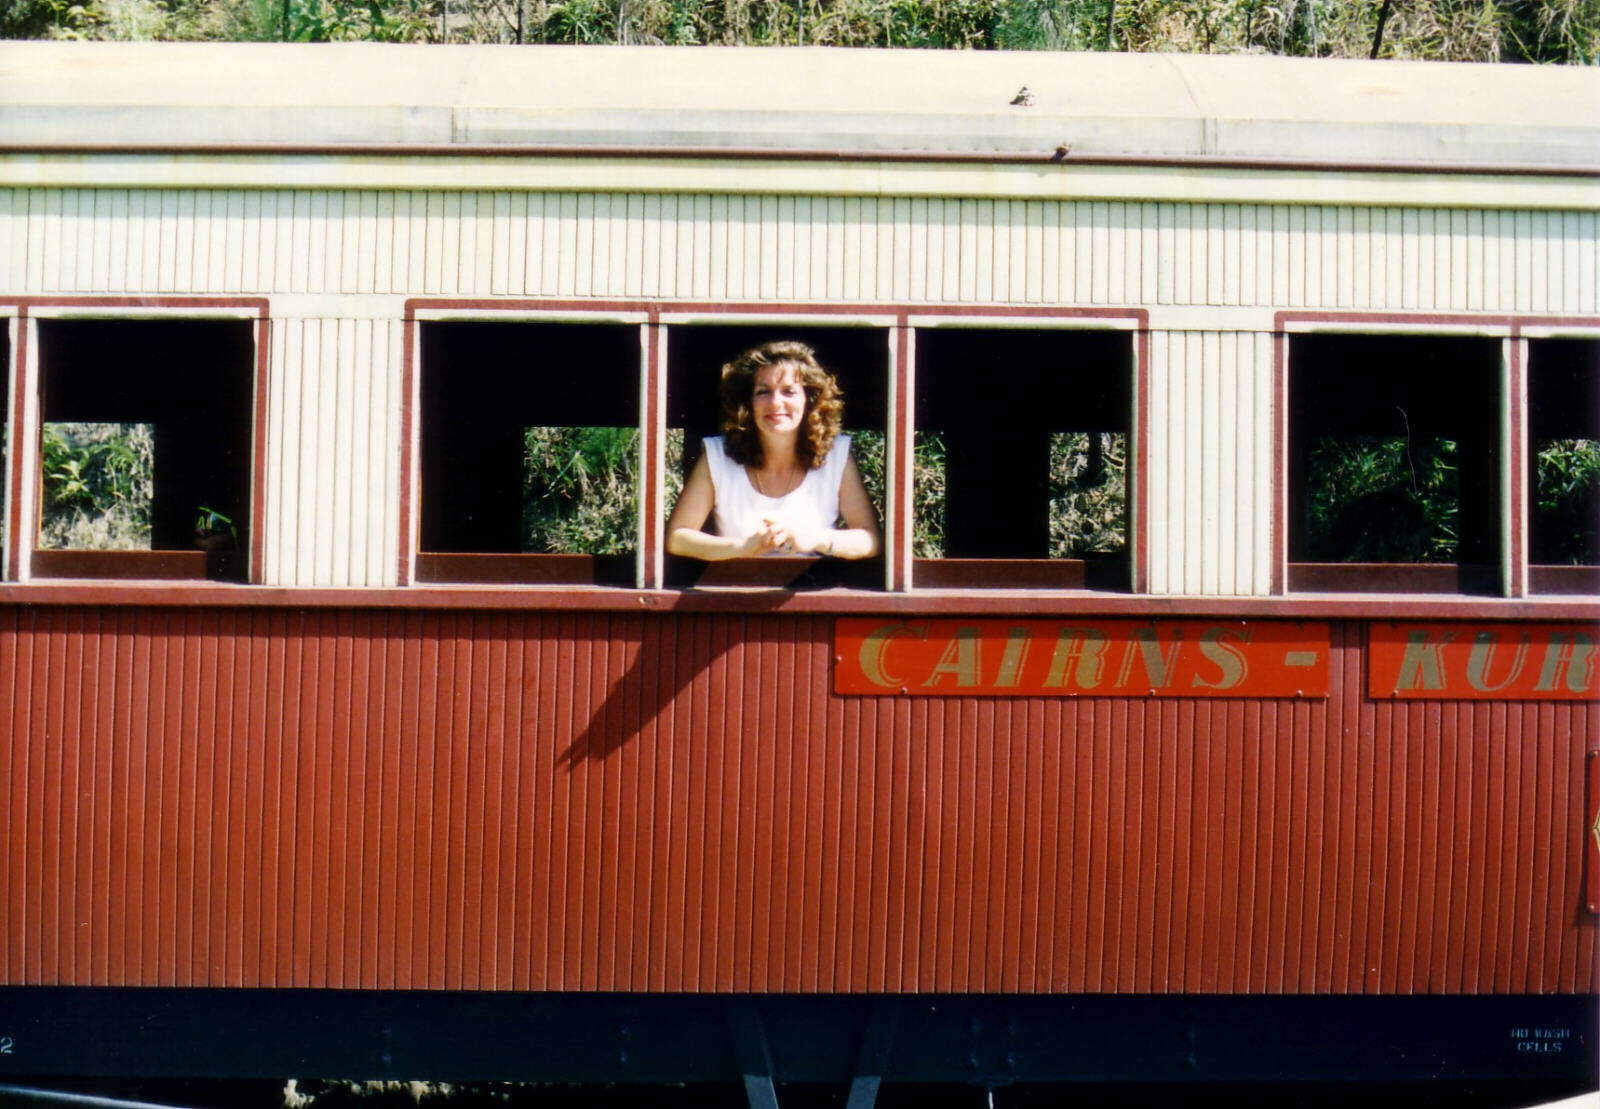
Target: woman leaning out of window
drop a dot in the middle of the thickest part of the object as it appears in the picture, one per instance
(780, 477)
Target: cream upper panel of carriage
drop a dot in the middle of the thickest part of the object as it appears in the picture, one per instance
(783, 248)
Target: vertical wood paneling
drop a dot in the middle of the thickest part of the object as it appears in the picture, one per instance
(1210, 463)
(333, 483)
(334, 402)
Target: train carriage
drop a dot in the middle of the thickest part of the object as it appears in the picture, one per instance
(1161, 742)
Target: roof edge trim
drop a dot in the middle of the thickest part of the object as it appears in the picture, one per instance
(1060, 157)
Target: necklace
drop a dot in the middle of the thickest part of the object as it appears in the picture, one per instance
(785, 487)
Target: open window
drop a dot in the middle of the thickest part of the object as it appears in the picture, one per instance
(529, 452)
(857, 356)
(145, 451)
(5, 439)
(1021, 457)
(1564, 467)
(1394, 463)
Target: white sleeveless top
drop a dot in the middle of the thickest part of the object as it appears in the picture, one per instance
(741, 510)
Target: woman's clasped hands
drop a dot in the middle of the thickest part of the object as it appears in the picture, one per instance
(779, 536)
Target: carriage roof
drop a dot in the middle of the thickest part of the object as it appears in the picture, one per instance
(849, 103)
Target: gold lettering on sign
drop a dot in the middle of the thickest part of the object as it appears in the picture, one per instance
(972, 656)
(1013, 659)
(875, 644)
(960, 659)
(1081, 649)
(1482, 657)
(1158, 664)
(1229, 660)
(1568, 655)
(1422, 666)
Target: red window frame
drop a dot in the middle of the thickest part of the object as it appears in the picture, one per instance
(24, 560)
(1518, 578)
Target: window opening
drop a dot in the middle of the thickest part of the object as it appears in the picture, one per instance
(1394, 464)
(1021, 457)
(858, 357)
(529, 447)
(1564, 470)
(5, 433)
(145, 448)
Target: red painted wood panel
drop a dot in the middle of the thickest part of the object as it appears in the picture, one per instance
(594, 801)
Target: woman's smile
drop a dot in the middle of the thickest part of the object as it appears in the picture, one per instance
(778, 399)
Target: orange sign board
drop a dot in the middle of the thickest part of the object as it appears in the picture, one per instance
(1080, 658)
(1483, 662)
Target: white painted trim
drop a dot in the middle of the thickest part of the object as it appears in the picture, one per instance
(1183, 184)
(1488, 329)
(652, 494)
(1511, 468)
(138, 312)
(776, 316)
(26, 427)
(1565, 331)
(9, 457)
(526, 315)
(898, 456)
(342, 306)
(1205, 317)
(1028, 323)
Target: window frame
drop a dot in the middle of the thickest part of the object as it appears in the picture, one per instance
(658, 318)
(1535, 579)
(1511, 415)
(420, 567)
(1045, 573)
(23, 464)
(775, 572)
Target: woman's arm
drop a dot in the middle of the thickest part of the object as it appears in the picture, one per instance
(859, 538)
(685, 527)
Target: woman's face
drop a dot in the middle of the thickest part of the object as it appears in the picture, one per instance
(778, 400)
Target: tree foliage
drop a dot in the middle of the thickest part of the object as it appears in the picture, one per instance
(1566, 508)
(1382, 499)
(1559, 31)
(98, 486)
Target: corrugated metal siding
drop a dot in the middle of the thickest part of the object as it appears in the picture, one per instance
(1211, 462)
(542, 801)
(332, 522)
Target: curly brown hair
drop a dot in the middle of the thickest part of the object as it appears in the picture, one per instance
(824, 403)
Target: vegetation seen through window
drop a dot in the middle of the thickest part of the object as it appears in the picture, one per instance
(1567, 510)
(579, 490)
(98, 486)
(1382, 499)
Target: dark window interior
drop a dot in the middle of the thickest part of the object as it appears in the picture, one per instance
(189, 383)
(1030, 424)
(5, 432)
(858, 358)
(1394, 463)
(1564, 470)
(512, 411)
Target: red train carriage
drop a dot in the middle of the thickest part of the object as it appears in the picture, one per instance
(1223, 706)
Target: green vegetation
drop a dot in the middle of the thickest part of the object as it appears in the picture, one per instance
(580, 490)
(1088, 491)
(1371, 499)
(1559, 31)
(1382, 499)
(927, 485)
(1566, 510)
(98, 482)
(1088, 494)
